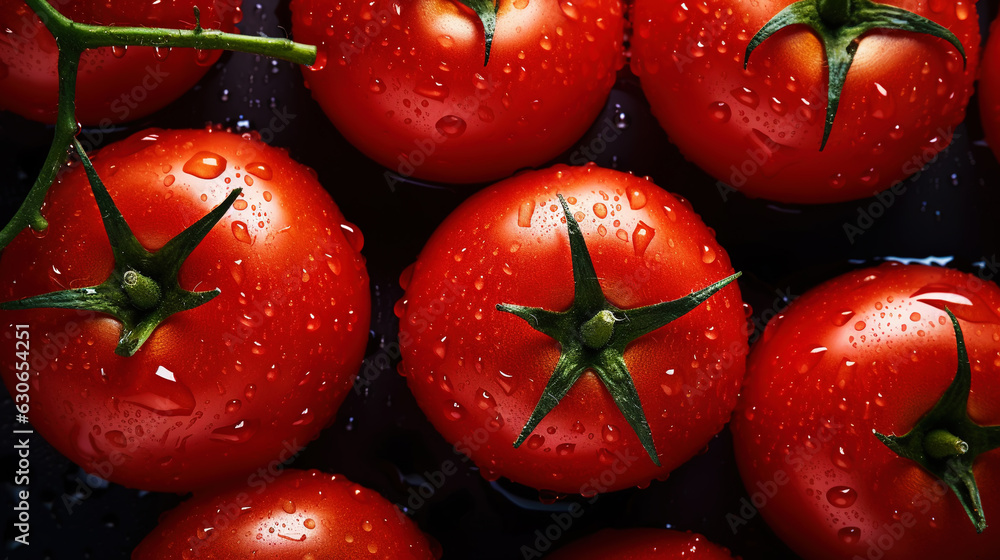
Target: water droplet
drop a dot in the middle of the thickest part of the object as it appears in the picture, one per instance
(313, 323)
(849, 535)
(520, 4)
(375, 85)
(707, 254)
(565, 449)
(450, 126)
(309, 523)
(118, 51)
(571, 11)
(641, 237)
(241, 232)
(545, 42)
(841, 459)
(636, 199)
(233, 405)
(843, 317)
(841, 496)
(535, 441)
(600, 210)
(116, 438)
(720, 112)
(524, 213)
(453, 411)
(288, 506)
(747, 97)
(262, 171)
(239, 432)
(240, 204)
(205, 165)
(160, 392)
(431, 89)
(860, 326)
(610, 433)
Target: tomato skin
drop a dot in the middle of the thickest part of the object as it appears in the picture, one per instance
(989, 89)
(412, 93)
(639, 544)
(294, 515)
(751, 129)
(477, 373)
(806, 416)
(249, 377)
(110, 89)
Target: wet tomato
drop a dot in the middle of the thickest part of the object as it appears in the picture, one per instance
(574, 363)
(640, 544)
(406, 84)
(296, 515)
(114, 84)
(250, 376)
(760, 129)
(865, 356)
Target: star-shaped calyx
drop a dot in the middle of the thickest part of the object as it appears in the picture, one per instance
(946, 442)
(142, 290)
(840, 25)
(593, 334)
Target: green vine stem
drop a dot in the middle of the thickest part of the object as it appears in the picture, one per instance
(74, 38)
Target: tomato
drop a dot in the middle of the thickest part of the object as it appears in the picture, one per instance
(989, 89)
(479, 371)
(870, 350)
(247, 378)
(405, 81)
(639, 544)
(292, 516)
(760, 130)
(114, 84)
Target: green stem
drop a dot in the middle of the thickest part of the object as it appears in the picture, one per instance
(834, 12)
(942, 443)
(73, 38)
(142, 290)
(29, 214)
(598, 330)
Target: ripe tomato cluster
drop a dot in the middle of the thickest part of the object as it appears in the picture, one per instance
(584, 369)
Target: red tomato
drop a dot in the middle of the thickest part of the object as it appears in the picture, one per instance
(870, 350)
(114, 85)
(989, 89)
(477, 372)
(760, 129)
(640, 544)
(295, 515)
(247, 378)
(405, 81)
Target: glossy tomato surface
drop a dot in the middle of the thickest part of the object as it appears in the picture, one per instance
(290, 515)
(639, 544)
(249, 377)
(989, 89)
(114, 84)
(406, 84)
(869, 350)
(759, 130)
(478, 373)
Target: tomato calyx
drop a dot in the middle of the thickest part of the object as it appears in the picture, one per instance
(841, 25)
(487, 12)
(142, 290)
(946, 442)
(593, 335)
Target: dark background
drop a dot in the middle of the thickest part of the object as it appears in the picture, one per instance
(380, 438)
